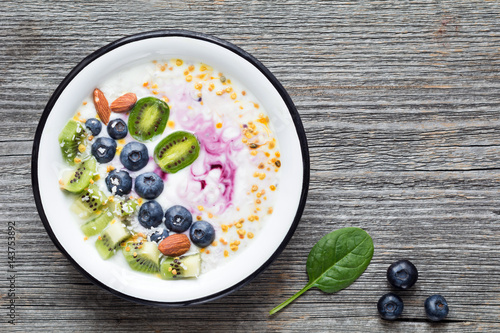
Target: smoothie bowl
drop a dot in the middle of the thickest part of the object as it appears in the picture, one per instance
(170, 167)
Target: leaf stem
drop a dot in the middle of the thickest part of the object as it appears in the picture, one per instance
(291, 299)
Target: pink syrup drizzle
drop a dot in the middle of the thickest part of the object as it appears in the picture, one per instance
(161, 173)
(219, 154)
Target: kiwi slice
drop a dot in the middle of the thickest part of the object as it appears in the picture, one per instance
(70, 138)
(178, 268)
(142, 256)
(177, 151)
(148, 118)
(110, 239)
(95, 226)
(125, 207)
(89, 201)
(79, 179)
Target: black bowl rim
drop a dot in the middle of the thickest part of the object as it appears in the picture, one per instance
(187, 34)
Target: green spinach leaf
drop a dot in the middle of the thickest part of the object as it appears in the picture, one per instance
(336, 261)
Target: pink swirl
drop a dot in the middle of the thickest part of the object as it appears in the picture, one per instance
(218, 152)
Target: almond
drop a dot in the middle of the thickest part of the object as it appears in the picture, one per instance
(124, 103)
(101, 106)
(175, 245)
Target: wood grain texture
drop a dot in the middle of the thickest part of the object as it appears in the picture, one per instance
(400, 102)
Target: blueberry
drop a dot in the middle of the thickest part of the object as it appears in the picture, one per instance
(390, 306)
(402, 274)
(150, 214)
(104, 149)
(134, 156)
(436, 308)
(94, 126)
(117, 129)
(119, 182)
(178, 218)
(202, 233)
(148, 185)
(159, 236)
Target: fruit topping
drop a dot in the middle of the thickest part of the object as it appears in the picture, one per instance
(178, 268)
(94, 126)
(88, 201)
(402, 274)
(436, 307)
(176, 151)
(134, 156)
(124, 103)
(159, 236)
(178, 219)
(79, 179)
(101, 106)
(390, 306)
(110, 239)
(125, 207)
(148, 118)
(142, 256)
(70, 139)
(202, 233)
(149, 185)
(95, 226)
(104, 149)
(174, 245)
(119, 182)
(117, 129)
(150, 214)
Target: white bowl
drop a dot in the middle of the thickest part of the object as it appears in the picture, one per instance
(53, 205)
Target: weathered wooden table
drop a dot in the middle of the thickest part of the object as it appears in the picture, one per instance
(401, 104)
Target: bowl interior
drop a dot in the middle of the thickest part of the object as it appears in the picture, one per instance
(112, 274)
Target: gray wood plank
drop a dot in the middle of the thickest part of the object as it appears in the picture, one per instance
(400, 103)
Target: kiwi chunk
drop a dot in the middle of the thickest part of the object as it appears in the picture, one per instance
(70, 139)
(125, 207)
(95, 226)
(179, 268)
(142, 256)
(110, 239)
(177, 151)
(89, 201)
(148, 118)
(79, 179)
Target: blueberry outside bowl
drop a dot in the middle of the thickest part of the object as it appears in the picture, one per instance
(53, 205)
